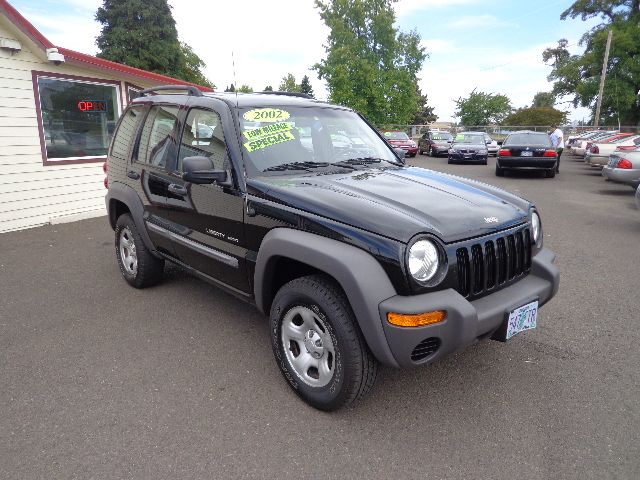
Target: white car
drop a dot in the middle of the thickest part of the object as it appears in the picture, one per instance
(579, 148)
(598, 154)
(492, 145)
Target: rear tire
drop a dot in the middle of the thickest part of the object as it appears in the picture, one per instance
(318, 344)
(138, 266)
(551, 173)
(499, 171)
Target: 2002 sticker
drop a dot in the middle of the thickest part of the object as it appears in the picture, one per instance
(266, 115)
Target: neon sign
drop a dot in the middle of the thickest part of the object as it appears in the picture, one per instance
(92, 106)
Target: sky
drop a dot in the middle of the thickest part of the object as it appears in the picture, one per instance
(493, 46)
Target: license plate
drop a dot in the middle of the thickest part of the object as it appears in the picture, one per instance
(522, 318)
(526, 153)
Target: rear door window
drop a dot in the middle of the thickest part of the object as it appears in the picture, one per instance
(157, 140)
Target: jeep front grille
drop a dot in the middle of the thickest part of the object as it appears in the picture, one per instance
(487, 265)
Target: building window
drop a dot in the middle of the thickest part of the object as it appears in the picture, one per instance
(77, 117)
(132, 92)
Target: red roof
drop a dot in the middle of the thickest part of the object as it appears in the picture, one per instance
(81, 58)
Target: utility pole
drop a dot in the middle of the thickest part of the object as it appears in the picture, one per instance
(596, 120)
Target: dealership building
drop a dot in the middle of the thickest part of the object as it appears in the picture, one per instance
(58, 110)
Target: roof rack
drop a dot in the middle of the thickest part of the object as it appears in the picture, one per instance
(289, 94)
(188, 88)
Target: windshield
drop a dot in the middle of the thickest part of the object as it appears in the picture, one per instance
(527, 140)
(301, 138)
(443, 136)
(469, 138)
(396, 135)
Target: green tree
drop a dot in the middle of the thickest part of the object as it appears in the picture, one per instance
(268, 88)
(544, 99)
(191, 69)
(245, 89)
(142, 34)
(305, 86)
(369, 65)
(425, 113)
(230, 88)
(578, 76)
(288, 84)
(481, 108)
(540, 116)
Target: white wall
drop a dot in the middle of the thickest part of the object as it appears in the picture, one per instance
(32, 194)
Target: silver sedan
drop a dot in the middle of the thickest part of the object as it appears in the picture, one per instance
(624, 167)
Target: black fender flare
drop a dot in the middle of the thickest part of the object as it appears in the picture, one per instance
(360, 275)
(127, 195)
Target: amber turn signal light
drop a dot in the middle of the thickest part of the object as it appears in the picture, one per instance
(416, 320)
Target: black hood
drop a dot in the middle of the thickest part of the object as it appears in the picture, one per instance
(398, 202)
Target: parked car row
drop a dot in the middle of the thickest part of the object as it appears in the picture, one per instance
(436, 142)
(618, 154)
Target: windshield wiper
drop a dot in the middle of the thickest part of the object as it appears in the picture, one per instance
(357, 161)
(296, 166)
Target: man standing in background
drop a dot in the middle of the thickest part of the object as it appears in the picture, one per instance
(557, 141)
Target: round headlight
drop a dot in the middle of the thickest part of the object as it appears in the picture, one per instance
(535, 225)
(423, 260)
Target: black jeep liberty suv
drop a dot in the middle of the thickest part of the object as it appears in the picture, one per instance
(302, 208)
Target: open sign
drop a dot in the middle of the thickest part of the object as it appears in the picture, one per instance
(92, 106)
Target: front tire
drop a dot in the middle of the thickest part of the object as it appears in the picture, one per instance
(318, 345)
(137, 265)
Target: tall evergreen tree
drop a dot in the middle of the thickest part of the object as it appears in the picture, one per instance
(305, 86)
(425, 113)
(230, 88)
(268, 88)
(369, 65)
(142, 34)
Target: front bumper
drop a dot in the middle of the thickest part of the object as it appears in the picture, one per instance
(466, 320)
(630, 176)
(544, 163)
(411, 151)
(468, 157)
(439, 149)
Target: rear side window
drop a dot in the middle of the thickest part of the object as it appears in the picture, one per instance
(126, 131)
(157, 141)
(527, 140)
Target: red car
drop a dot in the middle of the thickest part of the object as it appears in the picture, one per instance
(401, 140)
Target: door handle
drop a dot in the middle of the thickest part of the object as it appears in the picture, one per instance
(177, 189)
(133, 174)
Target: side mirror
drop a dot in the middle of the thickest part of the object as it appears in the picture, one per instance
(488, 142)
(199, 170)
(400, 153)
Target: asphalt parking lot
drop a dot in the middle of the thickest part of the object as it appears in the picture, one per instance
(98, 380)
